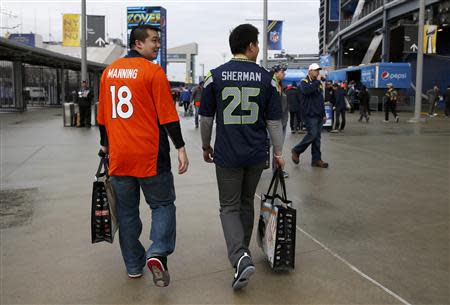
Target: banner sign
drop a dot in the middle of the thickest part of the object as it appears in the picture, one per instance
(429, 39)
(71, 30)
(28, 39)
(274, 32)
(410, 44)
(368, 76)
(95, 31)
(154, 16)
(326, 61)
(397, 74)
(334, 10)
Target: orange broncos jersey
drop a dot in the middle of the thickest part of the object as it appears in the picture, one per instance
(135, 100)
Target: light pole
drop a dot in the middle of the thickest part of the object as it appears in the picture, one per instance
(419, 68)
(265, 34)
(203, 70)
(83, 42)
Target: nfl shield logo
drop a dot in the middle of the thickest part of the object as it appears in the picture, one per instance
(274, 36)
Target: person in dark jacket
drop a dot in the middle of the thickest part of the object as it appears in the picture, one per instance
(329, 98)
(84, 103)
(329, 93)
(195, 100)
(313, 110)
(185, 97)
(390, 103)
(447, 101)
(433, 99)
(339, 109)
(364, 109)
(293, 99)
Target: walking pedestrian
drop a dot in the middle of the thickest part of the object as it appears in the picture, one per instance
(293, 99)
(390, 103)
(433, 99)
(195, 100)
(243, 98)
(135, 115)
(185, 97)
(364, 107)
(313, 110)
(339, 109)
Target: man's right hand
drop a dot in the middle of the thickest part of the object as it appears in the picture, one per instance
(208, 154)
(279, 161)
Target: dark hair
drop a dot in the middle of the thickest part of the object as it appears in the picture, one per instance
(140, 33)
(241, 37)
(279, 67)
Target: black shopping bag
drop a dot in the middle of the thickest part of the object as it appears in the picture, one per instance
(103, 212)
(277, 226)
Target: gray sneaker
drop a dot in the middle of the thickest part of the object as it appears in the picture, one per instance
(244, 270)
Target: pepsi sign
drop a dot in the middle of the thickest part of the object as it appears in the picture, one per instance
(397, 74)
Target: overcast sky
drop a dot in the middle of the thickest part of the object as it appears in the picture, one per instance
(206, 22)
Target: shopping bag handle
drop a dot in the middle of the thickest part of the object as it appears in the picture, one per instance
(282, 184)
(278, 177)
(104, 164)
(275, 179)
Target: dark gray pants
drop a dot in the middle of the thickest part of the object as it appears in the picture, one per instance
(237, 188)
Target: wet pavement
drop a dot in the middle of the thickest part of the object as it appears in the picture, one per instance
(372, 229)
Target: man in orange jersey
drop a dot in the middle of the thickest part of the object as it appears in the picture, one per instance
(136, 115)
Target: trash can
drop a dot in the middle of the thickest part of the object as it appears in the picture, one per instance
(68, 114)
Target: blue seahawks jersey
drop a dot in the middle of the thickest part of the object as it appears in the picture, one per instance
(242, 96)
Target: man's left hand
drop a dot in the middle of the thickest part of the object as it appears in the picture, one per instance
(183, 162)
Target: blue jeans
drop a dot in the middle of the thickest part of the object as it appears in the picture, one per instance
(159, 193)
(314, 128)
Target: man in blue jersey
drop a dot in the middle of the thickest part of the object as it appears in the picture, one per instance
(243, 98)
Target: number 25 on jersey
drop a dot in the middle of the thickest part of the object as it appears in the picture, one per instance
(240, 97)
(124, 95)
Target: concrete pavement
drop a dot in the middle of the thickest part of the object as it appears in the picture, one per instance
(372, 229)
